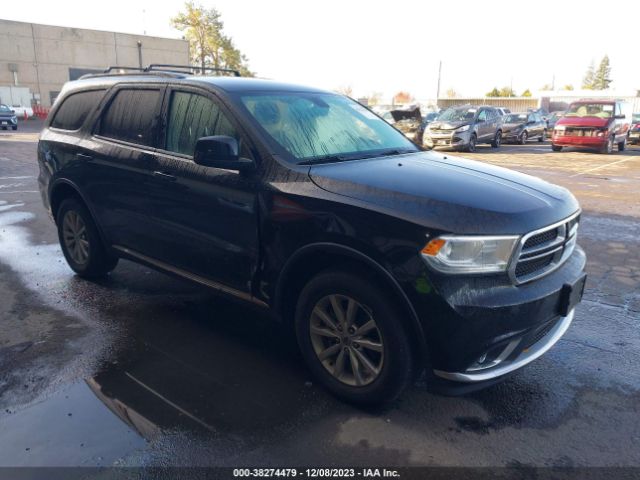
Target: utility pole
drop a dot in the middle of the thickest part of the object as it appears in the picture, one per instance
(553, 82)
(438, 91)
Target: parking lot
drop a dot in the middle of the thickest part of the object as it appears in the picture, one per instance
(144, 369)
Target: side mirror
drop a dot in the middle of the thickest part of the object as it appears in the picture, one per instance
(220, 151)
(620, 117)
(13, 111)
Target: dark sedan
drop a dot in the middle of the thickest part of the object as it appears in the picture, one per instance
(520, 127)
(8, 118)
(634, 131)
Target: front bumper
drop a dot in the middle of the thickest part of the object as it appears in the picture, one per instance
(511, 136)
(454, 140)
(515, 361)
(580, 142)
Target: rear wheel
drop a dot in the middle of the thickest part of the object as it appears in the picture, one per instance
(556, 148)
(543, 136)
(524, 137)
(497, 140)
(80, 242)
(352, 338)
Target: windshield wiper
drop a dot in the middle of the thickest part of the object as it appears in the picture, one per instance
(361, 156)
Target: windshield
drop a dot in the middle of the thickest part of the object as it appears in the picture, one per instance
(324, 126)
(4, 108)
(458, 114)
(430, 117)
(516, 118)
(601, 110)
(636, 117)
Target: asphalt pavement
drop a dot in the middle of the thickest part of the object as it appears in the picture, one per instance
(146, 369)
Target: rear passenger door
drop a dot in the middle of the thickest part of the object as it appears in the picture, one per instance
(123, 151)
(205, 218)
(484, 125)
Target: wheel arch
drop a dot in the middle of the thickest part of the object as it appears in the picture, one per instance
(311, 259)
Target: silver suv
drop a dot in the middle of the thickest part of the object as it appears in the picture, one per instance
(463, 127)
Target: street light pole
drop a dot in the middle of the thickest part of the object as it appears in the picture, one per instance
(438, 91)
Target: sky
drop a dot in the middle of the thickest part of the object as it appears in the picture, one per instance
(388, 46)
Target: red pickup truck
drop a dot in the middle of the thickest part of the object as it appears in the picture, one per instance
(595, 124)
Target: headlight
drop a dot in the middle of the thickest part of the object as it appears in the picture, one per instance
(462, 129)
(559, 128)
(460, 254)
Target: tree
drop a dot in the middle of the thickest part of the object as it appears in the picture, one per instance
(588, 82)
(493, 93)
(451, 93)
(402, 97)
(526, 93)
(345, 90)
(601, 79)
(546, 87)
(568, 87)
(507, 92)
(374, 98)
(208, 45)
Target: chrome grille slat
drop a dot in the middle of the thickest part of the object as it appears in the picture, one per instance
(542, 251)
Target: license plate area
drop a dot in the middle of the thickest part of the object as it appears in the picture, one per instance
(570, 295)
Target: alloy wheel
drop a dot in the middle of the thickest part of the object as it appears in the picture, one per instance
(74, 233)
(346, 340)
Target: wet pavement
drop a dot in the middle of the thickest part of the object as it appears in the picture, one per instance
(145, 369)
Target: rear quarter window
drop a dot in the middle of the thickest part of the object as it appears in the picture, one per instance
(75, 108)
(131, 115)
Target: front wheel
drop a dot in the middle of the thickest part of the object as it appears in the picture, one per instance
(80, 241)
(622, 146)
(497, 140)
(472, 143)
(556, 148)
(608, 147)
(352, 338)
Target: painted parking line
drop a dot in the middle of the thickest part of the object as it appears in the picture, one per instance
(603, 166)
(15, 178)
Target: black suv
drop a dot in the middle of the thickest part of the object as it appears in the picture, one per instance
(386, 260)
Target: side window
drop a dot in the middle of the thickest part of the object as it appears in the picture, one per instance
(618, 109)
(482, 116)
(75, 109)
(130, 116)
(193, 116)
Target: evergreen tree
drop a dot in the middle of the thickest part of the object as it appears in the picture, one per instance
(588, 82)
(601, 79)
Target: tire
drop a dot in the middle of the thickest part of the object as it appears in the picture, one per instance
(497, 140)
(523, 138)
(556, 148)
(608, 147)
(4, 128)
(14, 128)
(543, 137)
(388, 352)
(471, 147)
(80, 241)
(622, 146)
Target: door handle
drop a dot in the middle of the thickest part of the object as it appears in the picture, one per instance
(84, 156)
(164, 176)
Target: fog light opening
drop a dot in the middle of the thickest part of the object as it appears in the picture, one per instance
(494, 356)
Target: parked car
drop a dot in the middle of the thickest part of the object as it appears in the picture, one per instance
(597, 124)
(553, 119)
(520, 127)
(634, 130)
(8, 118)
(23, 112)
(463, 127)
(407, 121)
(543, 112)
(426, 120)
(381, 257)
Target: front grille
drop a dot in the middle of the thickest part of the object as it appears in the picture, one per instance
(439, 131)
(581, 132)
(544, 250)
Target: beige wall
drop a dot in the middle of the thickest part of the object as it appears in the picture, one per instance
(45, 53)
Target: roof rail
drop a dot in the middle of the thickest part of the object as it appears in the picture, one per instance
(164, 67)
(166, 70)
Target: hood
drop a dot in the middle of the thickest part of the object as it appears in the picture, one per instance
(413, 115)
(448, 193)
(583, 121)
(447, 125)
